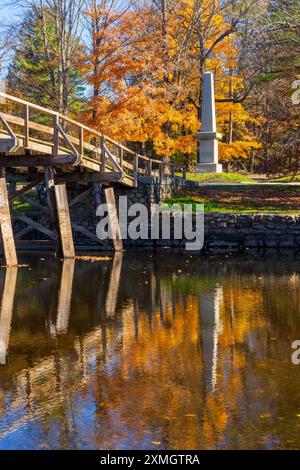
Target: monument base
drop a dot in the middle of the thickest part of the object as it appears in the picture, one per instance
(209, 168)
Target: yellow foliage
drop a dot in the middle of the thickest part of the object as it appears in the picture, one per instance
(145, 91)
(238, 149)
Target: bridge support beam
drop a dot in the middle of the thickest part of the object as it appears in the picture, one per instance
(114, 219)
(64, 221)
(8, 242)
(60, 214)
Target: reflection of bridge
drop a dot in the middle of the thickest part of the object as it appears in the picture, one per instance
(48, 376)
(44, 146)
(29, 381)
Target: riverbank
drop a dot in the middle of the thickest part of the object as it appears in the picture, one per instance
(237, 219)
(237, 233)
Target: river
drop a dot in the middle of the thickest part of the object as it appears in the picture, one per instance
(150, 352)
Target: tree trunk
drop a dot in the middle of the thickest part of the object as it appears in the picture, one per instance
(230, 125)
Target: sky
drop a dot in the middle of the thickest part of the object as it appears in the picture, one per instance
(8, 12)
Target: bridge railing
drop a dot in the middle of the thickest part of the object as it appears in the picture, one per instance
(54, 133)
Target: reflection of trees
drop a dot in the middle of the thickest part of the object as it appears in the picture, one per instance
(151, 355)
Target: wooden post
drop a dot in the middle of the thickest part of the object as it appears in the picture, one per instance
(81, 140)
(8, 242)
(64, 221)
(26, 126)
(59, 214)
(149, 166)
(136, 169)
(103, 155)
(161, 171)
(55, 134)
(121, 155)
(114, 219)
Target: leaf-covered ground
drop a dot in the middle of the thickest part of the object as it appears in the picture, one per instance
(256, 199)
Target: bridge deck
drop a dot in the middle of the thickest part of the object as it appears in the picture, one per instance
(30, 131)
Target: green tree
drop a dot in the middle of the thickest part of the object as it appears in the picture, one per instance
(43, 68)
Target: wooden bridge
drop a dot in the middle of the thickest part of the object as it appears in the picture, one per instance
(41, 145)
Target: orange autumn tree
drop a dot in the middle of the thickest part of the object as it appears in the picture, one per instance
(206, 41)
(234, 121)
(117, 64)
(144, 66)
(125, 67)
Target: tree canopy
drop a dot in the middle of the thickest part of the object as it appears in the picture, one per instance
(134, 69)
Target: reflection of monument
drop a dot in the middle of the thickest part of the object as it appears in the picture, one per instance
(6, 310)
(208, 154)
(210, 303)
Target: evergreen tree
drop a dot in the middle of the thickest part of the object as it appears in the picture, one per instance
(43, 68)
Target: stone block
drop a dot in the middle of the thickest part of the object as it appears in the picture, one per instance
(271, 243)
(288, 242)
(209, 168)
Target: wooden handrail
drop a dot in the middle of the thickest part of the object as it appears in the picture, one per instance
(58, 129)
(50, 112)
(28, 103)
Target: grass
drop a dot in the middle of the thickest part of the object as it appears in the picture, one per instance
(219, 178)
(287, 179)
(19, 205)
(240, 208)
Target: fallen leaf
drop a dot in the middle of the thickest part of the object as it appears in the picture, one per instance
(265, 415)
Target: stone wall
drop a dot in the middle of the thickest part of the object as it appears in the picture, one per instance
(240, 232)
(150, 190)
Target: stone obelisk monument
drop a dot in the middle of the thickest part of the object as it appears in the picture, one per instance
(208, 154)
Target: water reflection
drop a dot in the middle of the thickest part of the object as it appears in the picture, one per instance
(6, 309)
(113, 288)
(162, 352)
(65, 296)
(210, 305)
